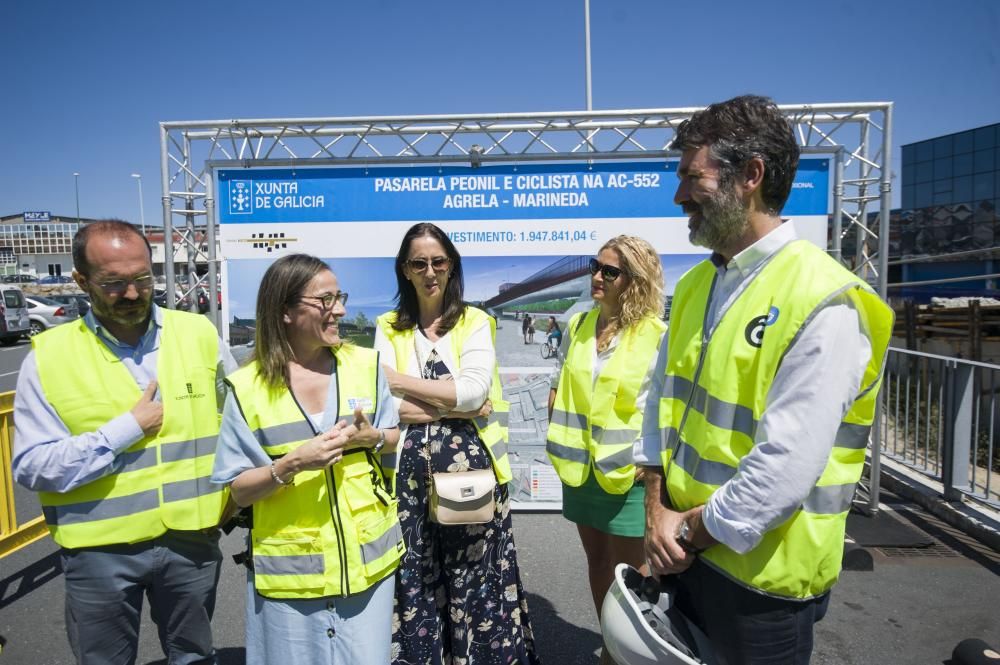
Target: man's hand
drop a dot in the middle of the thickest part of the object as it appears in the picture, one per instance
(149, 412)
(663, 552)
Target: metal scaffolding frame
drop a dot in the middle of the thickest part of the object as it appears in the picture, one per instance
(857, 136)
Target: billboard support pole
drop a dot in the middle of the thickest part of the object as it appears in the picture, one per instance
(213, 275)
(168, 227)
(838, 205)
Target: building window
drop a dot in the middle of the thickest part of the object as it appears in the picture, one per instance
(984, 161)
(962, 189)
(982, 186)
(942, 147)
(942, 168)
(964, 142)
(986, 137)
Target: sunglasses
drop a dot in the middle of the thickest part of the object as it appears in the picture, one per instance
(438, 263)
(608, 273)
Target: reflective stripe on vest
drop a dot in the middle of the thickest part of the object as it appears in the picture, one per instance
(335, 531)
(163, 481)
(493, 429)
(595, 424)
(715, 392)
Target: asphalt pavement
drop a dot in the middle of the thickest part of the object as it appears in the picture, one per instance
(911, 609)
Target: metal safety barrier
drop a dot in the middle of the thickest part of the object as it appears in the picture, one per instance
(12, 535)
(941, 416)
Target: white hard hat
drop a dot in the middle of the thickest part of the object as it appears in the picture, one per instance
(641, 626)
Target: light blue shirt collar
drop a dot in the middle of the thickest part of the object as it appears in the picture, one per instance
(155, 322)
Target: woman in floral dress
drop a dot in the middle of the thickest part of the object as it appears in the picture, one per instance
(459, 598)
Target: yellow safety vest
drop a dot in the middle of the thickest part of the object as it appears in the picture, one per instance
(596, 424)
(334, 532)
(715, 393)
(163, 481)
(492, 429)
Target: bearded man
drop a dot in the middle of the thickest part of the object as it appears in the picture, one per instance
(770, 373)
(116, 419)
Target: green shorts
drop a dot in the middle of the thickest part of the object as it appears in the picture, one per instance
(617, 514)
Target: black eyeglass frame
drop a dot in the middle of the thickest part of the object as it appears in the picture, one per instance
(327, 299)
(608, 273)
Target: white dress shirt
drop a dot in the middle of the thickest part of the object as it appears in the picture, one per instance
(814, 387)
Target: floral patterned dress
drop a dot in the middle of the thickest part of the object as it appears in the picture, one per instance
(459, 599)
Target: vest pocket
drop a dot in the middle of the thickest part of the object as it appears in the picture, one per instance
(288, 563)
(381, 543)
(373, 513)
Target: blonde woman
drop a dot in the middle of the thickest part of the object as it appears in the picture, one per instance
(596, 406)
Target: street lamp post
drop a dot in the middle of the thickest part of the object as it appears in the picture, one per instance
(76, 186)
(142, 213)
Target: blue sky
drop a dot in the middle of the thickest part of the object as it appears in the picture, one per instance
(84, 84)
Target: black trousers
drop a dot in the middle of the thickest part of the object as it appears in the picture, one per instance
(746, 627)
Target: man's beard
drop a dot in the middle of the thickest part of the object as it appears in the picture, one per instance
(723, 219)
(131, 314)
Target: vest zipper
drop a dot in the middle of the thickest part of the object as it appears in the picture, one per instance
(705, 338)
(338, 526)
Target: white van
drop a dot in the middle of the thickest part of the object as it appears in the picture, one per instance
(14, 321)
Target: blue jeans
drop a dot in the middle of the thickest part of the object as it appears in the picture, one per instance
(746, 627)
(336, 630)
(178, 573)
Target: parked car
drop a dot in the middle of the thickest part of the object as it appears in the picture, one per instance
(45, 313)
(160, 298)
(203, 300)
(19, 279)
(81, 301)
(55, 279)
(14, 320)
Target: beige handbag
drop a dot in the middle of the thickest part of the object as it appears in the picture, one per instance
(463, 497)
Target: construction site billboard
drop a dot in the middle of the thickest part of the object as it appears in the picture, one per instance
(525, 233)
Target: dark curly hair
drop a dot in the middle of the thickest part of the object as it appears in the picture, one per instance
(740, 129)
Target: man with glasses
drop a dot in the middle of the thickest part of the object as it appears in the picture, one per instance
(116, 419)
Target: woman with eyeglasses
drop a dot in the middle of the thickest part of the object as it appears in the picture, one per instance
(596, 407)
(458, 593)
(302, 432)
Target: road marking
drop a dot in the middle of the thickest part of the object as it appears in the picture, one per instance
(9, 373)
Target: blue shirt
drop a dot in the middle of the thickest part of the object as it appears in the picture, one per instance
(46, 456)
(239, 450)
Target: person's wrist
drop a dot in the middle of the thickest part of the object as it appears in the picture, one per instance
(283, 475)
(380, 442)
(685, 538)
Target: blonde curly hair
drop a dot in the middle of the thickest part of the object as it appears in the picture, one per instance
(643, 296)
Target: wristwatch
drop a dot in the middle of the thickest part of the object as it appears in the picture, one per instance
(684, 535)
(377, 448)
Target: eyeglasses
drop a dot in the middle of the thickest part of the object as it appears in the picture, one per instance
(116, 287)
(327, 299)
(438, 263)
(608, 273)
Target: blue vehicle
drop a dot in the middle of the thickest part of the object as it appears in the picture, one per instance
(55, 279)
